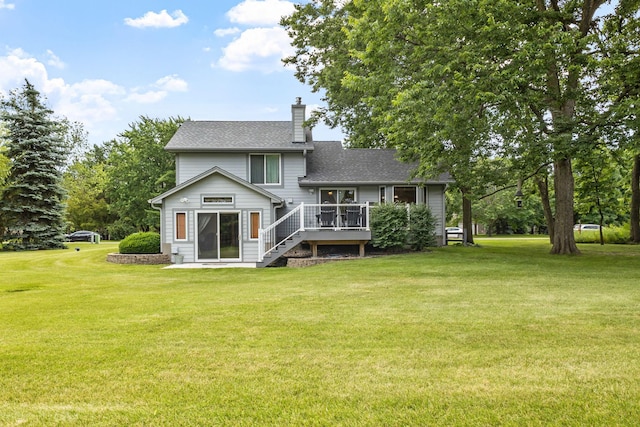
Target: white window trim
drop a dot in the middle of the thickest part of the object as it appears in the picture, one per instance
(264, 178)
(175, 225)
(380, 190)
(230, 203)
(259, 224)
(354, 189)
(415, 189)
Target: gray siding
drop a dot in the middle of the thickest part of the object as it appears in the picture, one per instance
(436, 202)
(244, 201)
(189, 165)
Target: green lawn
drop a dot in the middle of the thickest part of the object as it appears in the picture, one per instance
(502, 334)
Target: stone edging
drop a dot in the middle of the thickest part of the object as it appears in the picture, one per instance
(142, 259)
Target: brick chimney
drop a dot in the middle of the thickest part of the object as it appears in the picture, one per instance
(297, 120)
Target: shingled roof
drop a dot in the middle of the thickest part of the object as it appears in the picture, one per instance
(263, 136)
(331, 164)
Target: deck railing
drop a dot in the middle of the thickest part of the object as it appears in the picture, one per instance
(336, 217)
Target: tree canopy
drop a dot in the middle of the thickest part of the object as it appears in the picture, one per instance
(31, 203)
(455, 83)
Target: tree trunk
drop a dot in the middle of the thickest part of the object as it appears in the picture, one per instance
(467, 223)
(543, 188)
(635, 200)
(563, 240)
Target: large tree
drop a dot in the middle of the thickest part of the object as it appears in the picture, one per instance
(390, 66)
(617, 48)
(85, 181)
(32, 199)
(138, 168)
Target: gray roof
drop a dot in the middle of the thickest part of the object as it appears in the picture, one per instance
(236, 136)
(331, 164)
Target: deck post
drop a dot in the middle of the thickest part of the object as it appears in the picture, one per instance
(368, 210)
(302, 216)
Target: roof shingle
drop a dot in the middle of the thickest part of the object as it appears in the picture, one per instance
(235, 136)
(331, 164)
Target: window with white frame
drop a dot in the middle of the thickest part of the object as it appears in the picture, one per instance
(255, 222)
(265, 168)
(404, 194)
(383, 195)
(337, 195)
(217, 200)
(180, 226)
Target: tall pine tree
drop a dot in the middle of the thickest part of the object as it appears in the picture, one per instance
(31, 203)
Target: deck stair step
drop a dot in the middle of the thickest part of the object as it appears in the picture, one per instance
(282, 249)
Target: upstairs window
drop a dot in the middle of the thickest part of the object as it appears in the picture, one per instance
(265, 168)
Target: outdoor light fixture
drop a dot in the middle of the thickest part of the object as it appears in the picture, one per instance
(519, 195)
(184, 200)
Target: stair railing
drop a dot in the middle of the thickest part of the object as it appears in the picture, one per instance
(312, 217)
(288, 225)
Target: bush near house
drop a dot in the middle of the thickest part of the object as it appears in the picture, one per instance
(393, 226)
(422, 226)
(140, 243)
(389, 226)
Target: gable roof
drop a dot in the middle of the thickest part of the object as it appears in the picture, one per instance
(216, 170)
(263, 136)
(331, 164)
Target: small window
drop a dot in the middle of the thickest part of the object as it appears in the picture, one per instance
(254, 224)
(383, 195)
(181, 226)
(217, 200)
(404, 194)
(265, 168)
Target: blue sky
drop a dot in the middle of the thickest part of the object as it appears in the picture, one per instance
(105, 63)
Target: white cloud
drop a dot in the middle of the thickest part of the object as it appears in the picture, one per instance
(17, 66)
(161, 89)
(257, 49)
(256, 12)
(223, 32)
(4, 5)
(158, 20)
(149, 97)
(172, 83)
(54, 60)
(89, 101)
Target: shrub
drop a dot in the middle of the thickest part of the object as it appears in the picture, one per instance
(422, 226)
(140, 243)
(389, 226)
(610, 235)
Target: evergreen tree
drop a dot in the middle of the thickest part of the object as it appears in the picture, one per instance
(31, 204)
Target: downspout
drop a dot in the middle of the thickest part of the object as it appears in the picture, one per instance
(159, 209)
(304, 163)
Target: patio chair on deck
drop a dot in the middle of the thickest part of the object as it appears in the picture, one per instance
(327, 217)
(354, 214)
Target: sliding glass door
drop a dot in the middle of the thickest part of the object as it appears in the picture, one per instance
(218, 236)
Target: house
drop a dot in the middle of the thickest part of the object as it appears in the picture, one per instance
(250, 191)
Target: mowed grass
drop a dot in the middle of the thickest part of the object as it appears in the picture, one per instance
(502, 334)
